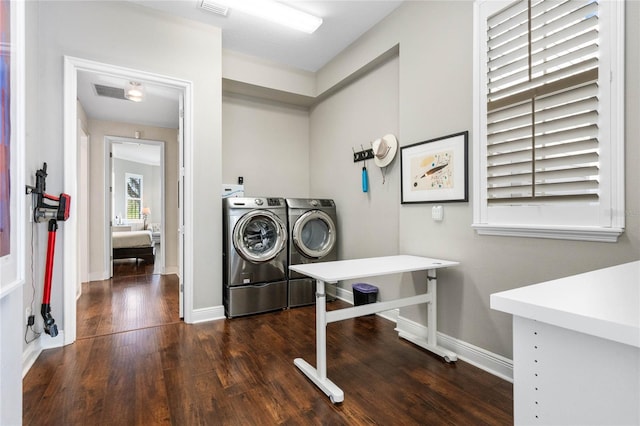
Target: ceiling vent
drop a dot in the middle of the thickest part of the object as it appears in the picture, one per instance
(214, 7)
(110, 92)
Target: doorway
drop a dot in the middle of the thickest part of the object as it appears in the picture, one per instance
(144, 159)
(72, 246)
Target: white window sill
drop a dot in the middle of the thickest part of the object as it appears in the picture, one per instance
(604, 235)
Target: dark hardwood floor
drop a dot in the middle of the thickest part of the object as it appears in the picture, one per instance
(241, 372)
(134, 298)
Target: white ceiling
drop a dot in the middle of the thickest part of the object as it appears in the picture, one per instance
(344, 22)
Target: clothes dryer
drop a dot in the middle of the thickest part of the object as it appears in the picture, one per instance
(254, 255)
(312, 238)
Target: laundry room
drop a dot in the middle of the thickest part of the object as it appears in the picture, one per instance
(282, 154)
(288, 132)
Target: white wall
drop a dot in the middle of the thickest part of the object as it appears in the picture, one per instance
(267, 143)
(435, 99)
(11, 334)
(142, 39)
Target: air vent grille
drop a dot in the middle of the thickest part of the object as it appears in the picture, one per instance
(110, 92)
(214, 7)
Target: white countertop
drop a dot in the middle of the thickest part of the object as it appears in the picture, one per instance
(333, 272)
(603, 303)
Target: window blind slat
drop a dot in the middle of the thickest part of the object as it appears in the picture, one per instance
(568, 175)
(511, 123)
(542, 41)
(502, 18)
(587, 105)
(507, 47)
(566, 14)
(573, 76)
(509, 146)
(568, 161)
(568, 135)
(509, 169)
(580, 147)
(509, 112)
(567, 96)
(518, 133)
(570, 60)
(578, 120)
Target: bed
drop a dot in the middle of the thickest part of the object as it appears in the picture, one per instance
(133, 245)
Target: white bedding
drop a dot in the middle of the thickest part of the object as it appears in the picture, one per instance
(132, 239)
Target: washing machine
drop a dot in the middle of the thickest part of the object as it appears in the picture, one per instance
(254, 255)
(312, 238)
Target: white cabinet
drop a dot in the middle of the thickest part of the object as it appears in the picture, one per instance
(576, 348)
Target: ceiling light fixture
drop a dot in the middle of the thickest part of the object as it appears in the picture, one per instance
(272, 11)
(134, 91)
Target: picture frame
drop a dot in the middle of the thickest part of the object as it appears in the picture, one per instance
(436, 170)
(12, 145)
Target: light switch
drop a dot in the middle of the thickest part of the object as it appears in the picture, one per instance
(437, 212)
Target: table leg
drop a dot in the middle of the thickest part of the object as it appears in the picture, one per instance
(432, 320)
(319, 375)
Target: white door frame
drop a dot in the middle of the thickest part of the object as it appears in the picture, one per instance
(70, 274)
(108, 169)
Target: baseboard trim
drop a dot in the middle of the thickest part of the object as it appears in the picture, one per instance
(207, 314)
(33, 350)
(98, 276)
(488, 361)
(171, 270)
(29, 356)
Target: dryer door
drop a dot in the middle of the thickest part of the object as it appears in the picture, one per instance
(314, 234)
(259, 236)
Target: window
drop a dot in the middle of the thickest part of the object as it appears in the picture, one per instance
(133, 195)
(549, 119)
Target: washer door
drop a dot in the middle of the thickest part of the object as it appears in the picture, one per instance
(314, 234)
(259, 236)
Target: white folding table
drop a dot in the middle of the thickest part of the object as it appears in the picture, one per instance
(332, 272)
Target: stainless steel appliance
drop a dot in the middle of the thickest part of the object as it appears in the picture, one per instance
(312, 238)
(254, 255)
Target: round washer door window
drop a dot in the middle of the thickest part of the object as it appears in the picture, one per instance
(259, 236)
(314, 234)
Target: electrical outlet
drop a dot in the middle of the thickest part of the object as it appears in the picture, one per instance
(437, 213)
(27, 314)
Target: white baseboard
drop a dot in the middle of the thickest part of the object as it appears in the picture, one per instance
(29, 356)
(171, 270)
(98, 276)
(33, 350)
(474, 355)
(207, 314)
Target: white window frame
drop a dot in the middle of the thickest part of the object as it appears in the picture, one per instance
(128, 176)
(568, 221)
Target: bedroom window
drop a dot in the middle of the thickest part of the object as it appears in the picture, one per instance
(133, 195)
(549, 96)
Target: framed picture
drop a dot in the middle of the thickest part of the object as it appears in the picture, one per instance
(435, 171)
(12, 139)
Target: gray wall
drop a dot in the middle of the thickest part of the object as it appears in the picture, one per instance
(98, 129)
(267, 143)
(150, 187)
(365, 110)
(435, 99)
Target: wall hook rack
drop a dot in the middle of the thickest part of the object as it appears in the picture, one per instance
(365, 154)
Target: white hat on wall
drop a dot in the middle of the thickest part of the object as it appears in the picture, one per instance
(384, 150)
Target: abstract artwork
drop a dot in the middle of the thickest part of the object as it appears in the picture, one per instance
(435, 171)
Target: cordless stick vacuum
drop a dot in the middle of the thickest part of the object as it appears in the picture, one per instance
(54, 209)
